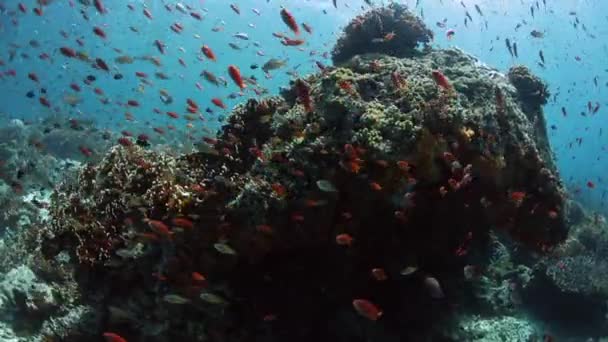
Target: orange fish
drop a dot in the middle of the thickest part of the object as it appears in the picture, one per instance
(290, 21)
(344, 239)
(235, 74)
(367, 309)
(208, 52)
(112, 337)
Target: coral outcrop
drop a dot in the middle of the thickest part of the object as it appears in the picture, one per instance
(390, 30)
(379, 179)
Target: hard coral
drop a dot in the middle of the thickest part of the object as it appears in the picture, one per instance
(372, 33)
(529, 87)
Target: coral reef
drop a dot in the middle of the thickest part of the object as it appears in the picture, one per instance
(377, 180)
(390, 30)
(505, 328)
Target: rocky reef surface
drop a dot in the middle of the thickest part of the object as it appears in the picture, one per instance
(392, 197)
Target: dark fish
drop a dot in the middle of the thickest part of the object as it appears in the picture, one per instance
(509, 47)
(254, 66)
(564, 111)
(335, 3)
(532, 11)
(118, 77)
(595, 81)
(91, 78)
(30, 94)
(468, 15)
(537, 34)
(515, 50)
(542, 56)
(478, 10)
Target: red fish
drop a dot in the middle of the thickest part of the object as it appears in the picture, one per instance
(367, 309)
(141, 74)
(441, 80)
(159, 227)
(68, 52)
(38, 11)
(279, 189)
(182, 223)
(112, 337)
(173, 115)
(45, 102)
(102, 64)
(208, 52)
(198, 277)
(303, 93)
(124, 141)
(218, 102)
(590, 185)
(32, 76)
(191, 103)
(235, 74)
(290, 21)
(75, 87)
(85, 151)
(196, 15)
(292, 42)
(100, 7)
(133, 103)
(379, 274)
(98, 31)
(375, 186)
(344, 239)
(22, 8)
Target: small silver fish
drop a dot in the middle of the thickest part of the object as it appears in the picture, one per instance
(326, 186)
(241, 35)
(212, 298)
(175, 299)
(224, 248)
